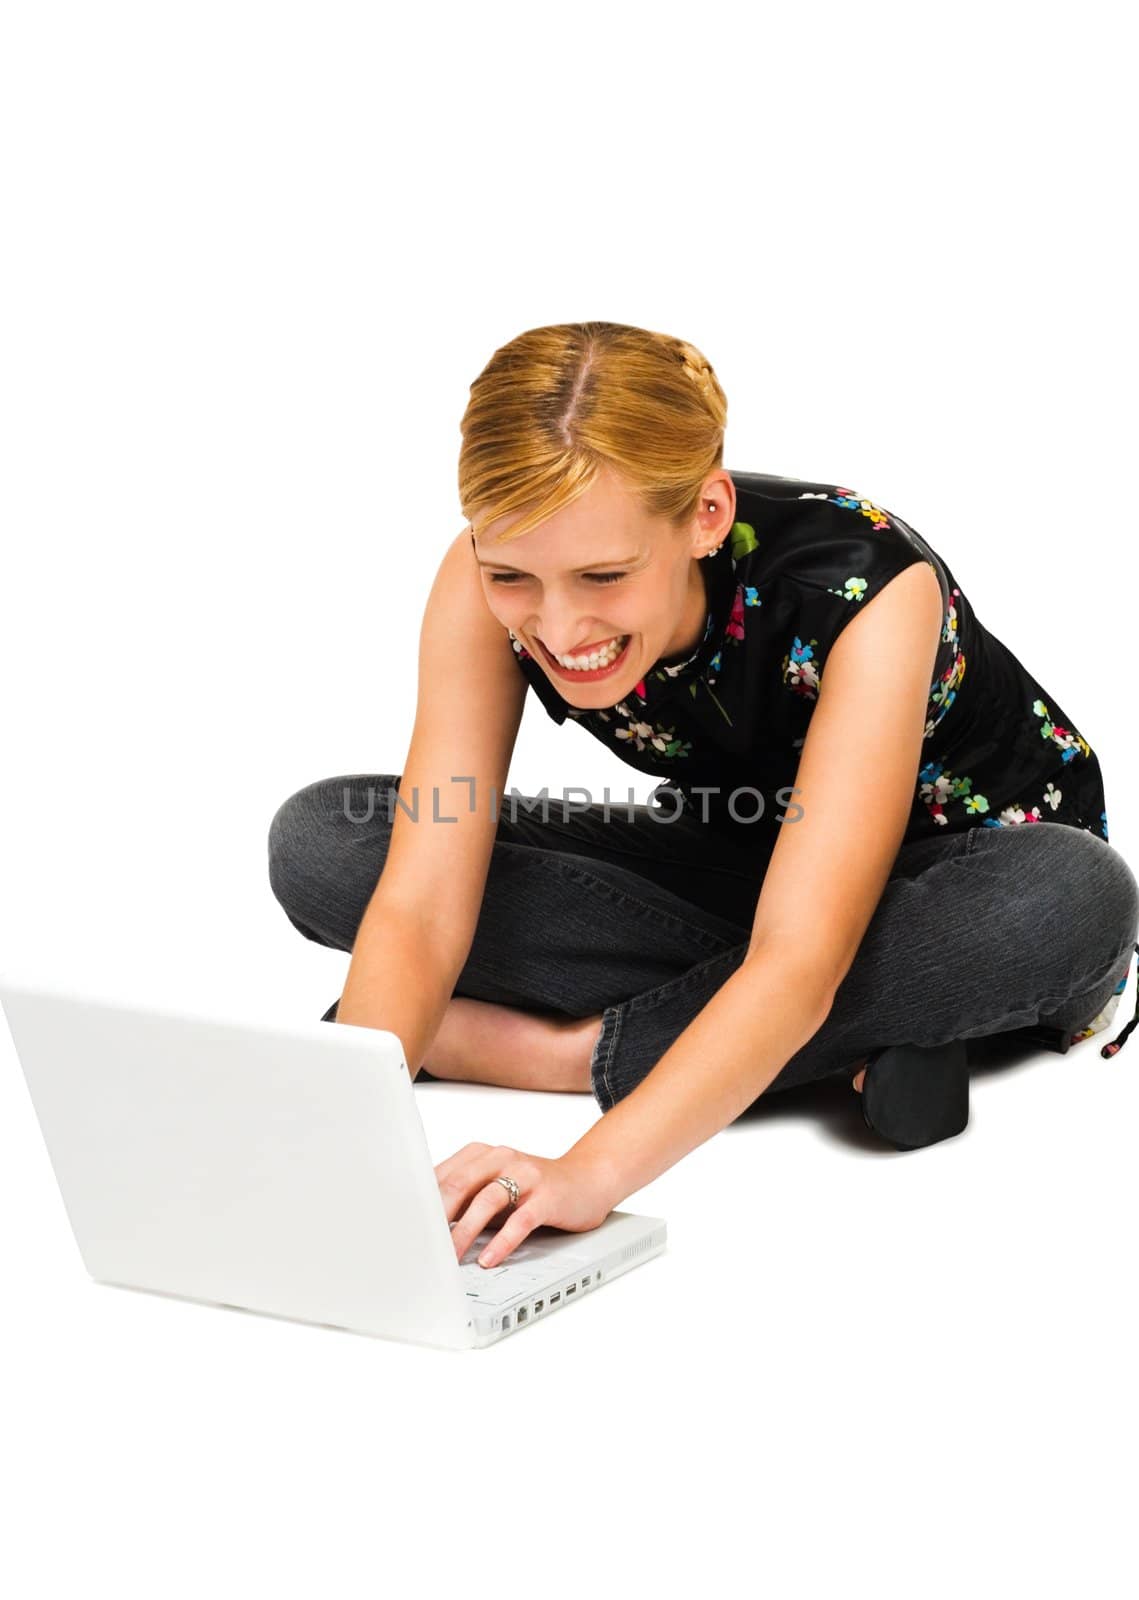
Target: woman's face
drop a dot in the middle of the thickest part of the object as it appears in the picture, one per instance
(604, 585)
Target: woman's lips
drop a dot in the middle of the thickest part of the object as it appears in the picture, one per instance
(593, 674)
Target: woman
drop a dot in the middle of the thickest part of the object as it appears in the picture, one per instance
(851, 879)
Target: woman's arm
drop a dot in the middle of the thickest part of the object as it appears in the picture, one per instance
(417, 930)
(401, 977)
(855, 784)
(726, 1057)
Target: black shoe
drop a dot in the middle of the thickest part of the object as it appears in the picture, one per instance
(1058, 1039)
(914, 1095)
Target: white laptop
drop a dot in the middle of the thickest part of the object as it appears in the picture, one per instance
(282, 1170)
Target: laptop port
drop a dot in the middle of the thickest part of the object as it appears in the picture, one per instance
(585, 1283)
(571, 1290)
(538, 1304)
(505, 1323)
(522, 1313)
(554, 1298)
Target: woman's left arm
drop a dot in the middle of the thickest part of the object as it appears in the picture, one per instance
(727, 1056)
(855, 786)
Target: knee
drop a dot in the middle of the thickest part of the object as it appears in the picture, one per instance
(305, 828)
(292, 839)
(1090, 901)
(1111, 893)
(1121, 895)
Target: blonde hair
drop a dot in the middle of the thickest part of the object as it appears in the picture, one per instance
(557, 405)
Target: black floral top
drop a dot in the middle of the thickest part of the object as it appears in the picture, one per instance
(731, 718)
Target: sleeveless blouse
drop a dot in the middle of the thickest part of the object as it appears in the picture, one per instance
(800, 561)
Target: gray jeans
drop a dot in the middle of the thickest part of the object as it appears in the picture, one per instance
(641, 920)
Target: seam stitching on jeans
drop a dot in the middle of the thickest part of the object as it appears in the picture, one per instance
(600, 1053)
(671, 986)
(611, 1052)
(719, 942)
(1046, 1003)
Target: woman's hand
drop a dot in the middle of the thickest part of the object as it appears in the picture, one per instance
(559, 1192)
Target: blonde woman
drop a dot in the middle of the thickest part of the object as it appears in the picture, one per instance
(877, 834)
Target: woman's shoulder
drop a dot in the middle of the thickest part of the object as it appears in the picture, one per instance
(821, 538)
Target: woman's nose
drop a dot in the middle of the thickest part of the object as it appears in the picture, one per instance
(563, 635)
(567, 644)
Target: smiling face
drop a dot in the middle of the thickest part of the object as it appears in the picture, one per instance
(604, 587)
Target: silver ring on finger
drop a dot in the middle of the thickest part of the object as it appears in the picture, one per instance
(511, 1188)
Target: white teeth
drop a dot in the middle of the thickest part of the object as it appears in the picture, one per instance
(603, 657)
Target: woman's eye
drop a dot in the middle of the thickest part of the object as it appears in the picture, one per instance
(606, 577)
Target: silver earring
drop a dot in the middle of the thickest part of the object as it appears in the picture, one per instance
(707, 553)
(712, 552)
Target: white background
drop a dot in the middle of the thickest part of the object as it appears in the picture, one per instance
(253, 257)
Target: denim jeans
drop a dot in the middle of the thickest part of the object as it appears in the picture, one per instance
(640, 920)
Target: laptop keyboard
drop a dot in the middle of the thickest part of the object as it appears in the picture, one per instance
(531, 1250)
(529, 1267)
(494, 1286)
(474, 1275)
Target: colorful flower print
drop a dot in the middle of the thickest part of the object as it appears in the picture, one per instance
(937, 786)
(853, 589)
(646, 735)
(945, 691)
(949, 632)
(735, 628)
(1070, 743)
(743, 540)
(866, 508)
(800, 673)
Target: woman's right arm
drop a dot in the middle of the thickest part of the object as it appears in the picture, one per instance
(417, 930)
